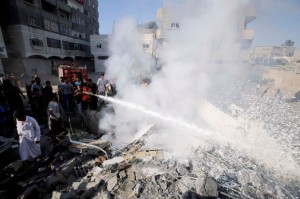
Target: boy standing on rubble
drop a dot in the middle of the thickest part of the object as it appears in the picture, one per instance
(55, 119)
(29, 135)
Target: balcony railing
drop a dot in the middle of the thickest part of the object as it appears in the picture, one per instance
(50, 16)
(64, 6)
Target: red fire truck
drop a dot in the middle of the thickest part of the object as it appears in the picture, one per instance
(71, 72)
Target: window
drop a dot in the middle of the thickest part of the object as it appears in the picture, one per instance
(80, 47)
(47, 24)
(36, 43)
(53, 43)
(64, 29)
(78, 20)
(146, 46)
(54, 26)
(86, 12)
(50, 25)
(174, 25)
(103, 57)
(32, 21)
(68, 45)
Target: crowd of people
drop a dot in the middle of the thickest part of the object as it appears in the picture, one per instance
(73, 96)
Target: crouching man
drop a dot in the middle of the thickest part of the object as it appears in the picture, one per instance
(29, 135)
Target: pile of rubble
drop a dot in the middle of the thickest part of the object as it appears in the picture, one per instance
(84, 166)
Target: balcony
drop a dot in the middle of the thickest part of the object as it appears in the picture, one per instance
(64, 6)
(248, 34)
(250, 13)
(49, 16)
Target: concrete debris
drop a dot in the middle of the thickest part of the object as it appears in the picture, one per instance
(52, 181)
(113, 161)
(74, 171)
(112, 183)
(206, 187)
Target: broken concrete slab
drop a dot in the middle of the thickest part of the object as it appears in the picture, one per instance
(112, 183)
(206, 186)
(113, 161)
(93, 183)
(68, 167)
(51, 181)
(146, 172)
(185, 184)
(63, 195)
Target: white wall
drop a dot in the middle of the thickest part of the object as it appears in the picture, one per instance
(96, 41)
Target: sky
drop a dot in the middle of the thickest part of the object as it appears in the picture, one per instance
(276, 22)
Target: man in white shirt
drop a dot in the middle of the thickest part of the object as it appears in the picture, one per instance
(101, 85)
(29, 135)
(54, 116)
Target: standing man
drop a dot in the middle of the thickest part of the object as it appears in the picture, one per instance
(55, 119)
(37, 85)
(29, 135)
(101, 85)
(67, 94)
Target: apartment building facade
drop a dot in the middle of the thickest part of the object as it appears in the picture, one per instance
(41, 34)
(169, 22)
(273, 55)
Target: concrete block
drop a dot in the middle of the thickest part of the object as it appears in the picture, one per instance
(51, 181)
(67, 168)
(206, 187)
(112, 183)
(115, 160)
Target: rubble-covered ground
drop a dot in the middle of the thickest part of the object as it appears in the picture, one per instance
(77, 167)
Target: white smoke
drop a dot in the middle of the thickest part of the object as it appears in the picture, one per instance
(205, 47)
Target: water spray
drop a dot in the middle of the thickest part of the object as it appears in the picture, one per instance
(151, 113)
(207, 135)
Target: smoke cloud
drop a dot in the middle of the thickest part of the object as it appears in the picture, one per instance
(198, 58)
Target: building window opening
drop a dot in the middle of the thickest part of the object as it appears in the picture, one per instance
(53, 43)
(36, 43)
(50, 25)
(68, 45)
(146, 46)
(64, 14)
(49, 7)
(174, 25)
(65, 29)
(102, 57)
(86, 12)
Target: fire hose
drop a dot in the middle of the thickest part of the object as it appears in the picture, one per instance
(84, 144)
